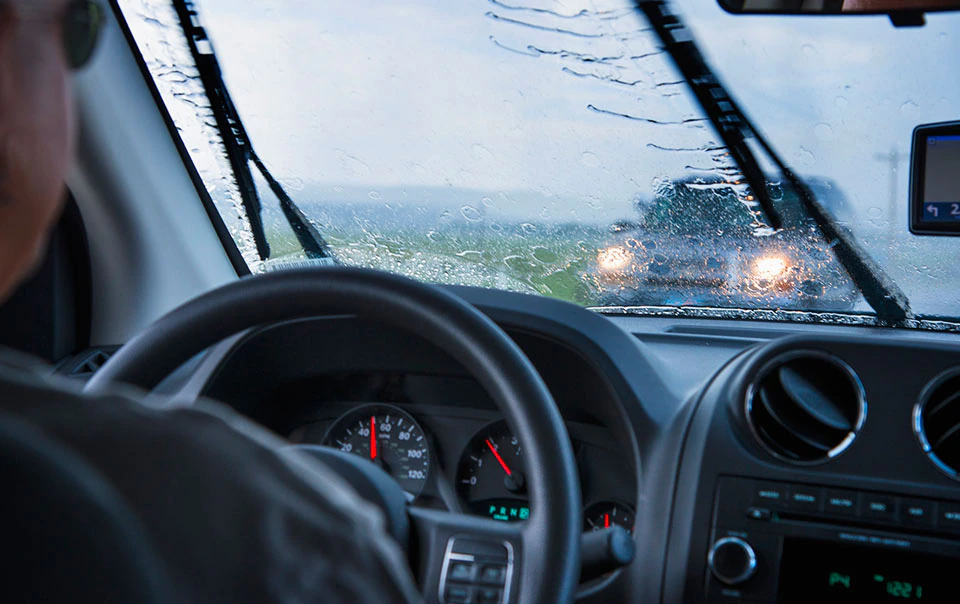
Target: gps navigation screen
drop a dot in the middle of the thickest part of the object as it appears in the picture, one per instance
(941, 193)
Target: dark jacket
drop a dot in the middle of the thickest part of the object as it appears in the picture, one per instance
(232, 515)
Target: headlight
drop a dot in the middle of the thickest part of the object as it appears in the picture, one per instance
(770, 268)
(614, 258)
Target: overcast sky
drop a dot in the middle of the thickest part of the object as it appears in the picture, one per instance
(424, 93)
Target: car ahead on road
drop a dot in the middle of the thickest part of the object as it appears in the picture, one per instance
(697, 243)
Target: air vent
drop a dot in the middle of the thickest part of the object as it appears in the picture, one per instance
(937, 422)
(86, 363)
(806, 407)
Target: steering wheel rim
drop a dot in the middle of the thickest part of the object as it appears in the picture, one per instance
(547, 543)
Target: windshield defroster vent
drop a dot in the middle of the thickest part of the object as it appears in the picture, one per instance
(937, 422)
(806, 407)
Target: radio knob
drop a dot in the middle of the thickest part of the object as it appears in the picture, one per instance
(732, 560)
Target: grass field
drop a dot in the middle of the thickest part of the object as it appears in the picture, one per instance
(555, 260)
(523, 257)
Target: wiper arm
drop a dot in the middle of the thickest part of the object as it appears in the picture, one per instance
(678, 41)
(878, 289)
(238, 147)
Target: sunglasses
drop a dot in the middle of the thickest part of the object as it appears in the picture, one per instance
(81, 22)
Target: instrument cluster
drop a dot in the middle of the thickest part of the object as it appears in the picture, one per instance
(490, 478)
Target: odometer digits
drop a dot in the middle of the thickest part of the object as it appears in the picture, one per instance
(388, 437)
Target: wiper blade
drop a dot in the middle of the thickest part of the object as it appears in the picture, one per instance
(239, 149)
(878, 289)
(312, 242)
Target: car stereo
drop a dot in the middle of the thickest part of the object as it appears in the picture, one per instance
(790, 543)
(935, 180)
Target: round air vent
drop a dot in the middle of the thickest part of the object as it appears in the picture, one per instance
(936, 420)
(806, 407)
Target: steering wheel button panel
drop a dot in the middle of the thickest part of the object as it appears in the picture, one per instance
(461, 571)
(487, 595)
(474, 571)
(458, 594)
(493, 574)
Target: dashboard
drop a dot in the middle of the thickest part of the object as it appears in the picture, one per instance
(753, 461)
(408, 408)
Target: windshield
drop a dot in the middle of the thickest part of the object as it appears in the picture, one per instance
(553, 147)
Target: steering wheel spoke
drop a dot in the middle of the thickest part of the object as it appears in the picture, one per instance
(467, 558)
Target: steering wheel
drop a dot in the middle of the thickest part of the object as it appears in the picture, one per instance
(539, 557)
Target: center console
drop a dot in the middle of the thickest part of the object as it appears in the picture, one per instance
(816, 469)
(791, 542)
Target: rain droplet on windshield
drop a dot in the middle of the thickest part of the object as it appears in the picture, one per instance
(590, 160)
(909, 108)
(471, 213)
(823, 131)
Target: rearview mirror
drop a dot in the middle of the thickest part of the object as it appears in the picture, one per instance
(838, 7)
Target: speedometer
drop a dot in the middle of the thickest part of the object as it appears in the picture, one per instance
(388, 437)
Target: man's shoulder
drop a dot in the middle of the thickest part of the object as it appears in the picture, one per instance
(23, 377)
(19, 362)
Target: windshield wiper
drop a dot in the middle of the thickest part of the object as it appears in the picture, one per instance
(735, 129)
(239, 149)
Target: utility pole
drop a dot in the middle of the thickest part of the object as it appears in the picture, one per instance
(895, 158)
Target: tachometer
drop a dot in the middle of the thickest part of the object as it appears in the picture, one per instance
(388, 437)
(491, 478)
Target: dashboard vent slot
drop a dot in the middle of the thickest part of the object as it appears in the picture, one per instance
(83, 365)
(937, 423)
(806, 407)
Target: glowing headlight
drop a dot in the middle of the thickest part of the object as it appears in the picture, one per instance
(770, 268)
(614, 258)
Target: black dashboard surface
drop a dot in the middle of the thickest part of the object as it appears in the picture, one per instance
(652, 405)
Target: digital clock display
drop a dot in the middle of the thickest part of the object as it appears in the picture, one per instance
(820, 572)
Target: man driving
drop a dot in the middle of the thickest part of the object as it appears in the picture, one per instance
(205, 506)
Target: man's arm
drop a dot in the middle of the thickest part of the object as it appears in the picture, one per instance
(233, 515)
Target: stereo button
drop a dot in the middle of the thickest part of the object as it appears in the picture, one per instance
(842, 503)
(917, 512)
(879, 507)
(771, 494)
(805, 498)
(949, 516)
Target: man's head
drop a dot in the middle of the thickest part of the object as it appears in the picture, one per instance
(39, 41)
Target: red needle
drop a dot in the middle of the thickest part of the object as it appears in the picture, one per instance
(503, 464)
(606, 521)
(373, 437)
